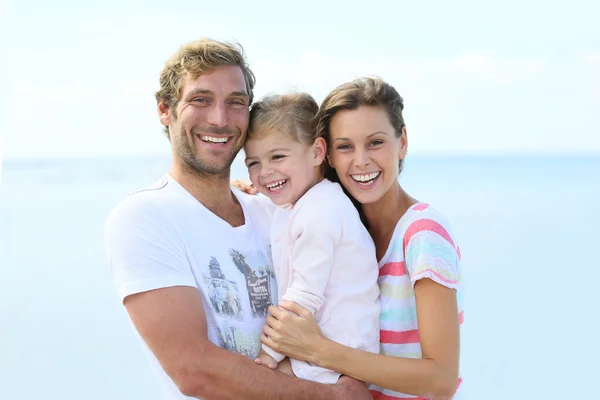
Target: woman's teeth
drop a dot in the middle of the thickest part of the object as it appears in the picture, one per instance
(365, 179)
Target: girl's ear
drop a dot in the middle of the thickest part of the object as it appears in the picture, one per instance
(319, 150)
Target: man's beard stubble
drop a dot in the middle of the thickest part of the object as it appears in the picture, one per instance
(196, 165)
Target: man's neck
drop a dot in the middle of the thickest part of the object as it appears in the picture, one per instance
(213, 191)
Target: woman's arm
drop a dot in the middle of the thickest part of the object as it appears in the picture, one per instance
(435, 375)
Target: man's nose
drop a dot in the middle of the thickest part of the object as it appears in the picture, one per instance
(218, 115)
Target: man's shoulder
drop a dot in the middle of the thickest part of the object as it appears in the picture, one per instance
(141, 202)
(256, 204)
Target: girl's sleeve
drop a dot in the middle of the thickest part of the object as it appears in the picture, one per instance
(315, 231)
(430, 252)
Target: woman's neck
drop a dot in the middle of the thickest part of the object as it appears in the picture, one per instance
(384, 214)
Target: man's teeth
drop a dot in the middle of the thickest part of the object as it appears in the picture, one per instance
(276, 185)
(214, 139)
(366, 177)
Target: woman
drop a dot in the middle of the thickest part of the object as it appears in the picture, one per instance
(419, 275)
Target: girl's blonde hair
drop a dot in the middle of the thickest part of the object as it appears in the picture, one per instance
(290, 113)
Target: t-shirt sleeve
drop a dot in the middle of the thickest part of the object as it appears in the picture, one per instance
(144, 250)
(430, 252)
(316, 231)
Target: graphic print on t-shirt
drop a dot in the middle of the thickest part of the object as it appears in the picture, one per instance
(258, 281)
(238, 340)
(223, 294)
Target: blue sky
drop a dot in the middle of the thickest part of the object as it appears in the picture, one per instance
(511, 77)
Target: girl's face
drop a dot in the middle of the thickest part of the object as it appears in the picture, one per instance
(365, 151)
(282, 168)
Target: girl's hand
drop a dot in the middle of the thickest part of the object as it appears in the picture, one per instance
(244, 186)
(298, 337)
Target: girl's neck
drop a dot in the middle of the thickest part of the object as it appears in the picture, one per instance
(384, 214)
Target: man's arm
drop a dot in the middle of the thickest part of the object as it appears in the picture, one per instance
(173, 324)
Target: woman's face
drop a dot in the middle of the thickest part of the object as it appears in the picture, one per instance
(364, 150)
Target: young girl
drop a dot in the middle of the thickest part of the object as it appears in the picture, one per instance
(419, 272)
(322, 254)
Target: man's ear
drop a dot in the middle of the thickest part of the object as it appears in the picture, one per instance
(165, 114)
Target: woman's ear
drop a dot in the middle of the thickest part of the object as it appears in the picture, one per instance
(319, 150)
(403, 144)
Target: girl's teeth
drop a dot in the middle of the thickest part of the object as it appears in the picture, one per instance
(276, 185)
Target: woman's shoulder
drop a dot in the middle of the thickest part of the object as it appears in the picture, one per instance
(424, 219)
(422, 213)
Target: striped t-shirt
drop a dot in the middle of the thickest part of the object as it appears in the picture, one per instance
(422, 246)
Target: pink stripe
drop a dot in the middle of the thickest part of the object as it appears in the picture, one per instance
(416, 277)
(426, 225)
(403, 337)
(377, 395)
(458, 251)
(420, 207)
(393, 268)
(461, 317)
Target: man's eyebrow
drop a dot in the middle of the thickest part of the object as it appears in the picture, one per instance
(239, 93)
(200, 91)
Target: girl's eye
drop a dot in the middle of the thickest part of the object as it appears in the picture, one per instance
(278, 157)
(251, 164)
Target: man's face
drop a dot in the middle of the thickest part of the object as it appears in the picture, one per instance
(210, 122)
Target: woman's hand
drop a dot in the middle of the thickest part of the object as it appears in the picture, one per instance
(244, 186)
(298, 337)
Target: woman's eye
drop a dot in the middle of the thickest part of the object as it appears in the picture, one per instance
(376, 142)
(343, 147)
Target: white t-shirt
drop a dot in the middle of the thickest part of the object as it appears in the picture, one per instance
(162, 237)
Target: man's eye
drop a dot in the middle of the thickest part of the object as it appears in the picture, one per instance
(200, 100)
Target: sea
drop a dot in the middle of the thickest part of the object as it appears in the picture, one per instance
(528, 228)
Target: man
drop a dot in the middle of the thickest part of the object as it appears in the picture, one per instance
(190, 258)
